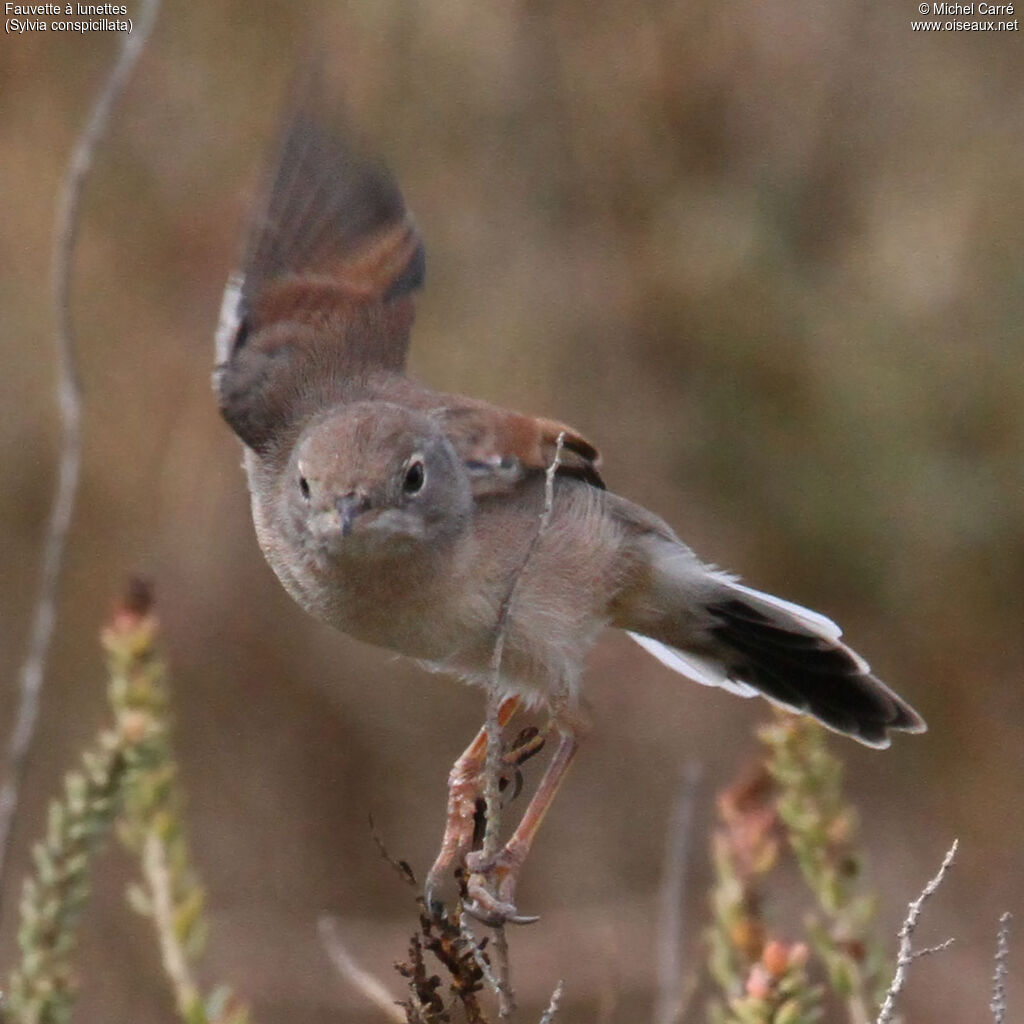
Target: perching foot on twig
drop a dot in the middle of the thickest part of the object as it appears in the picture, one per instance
(465, 788)
(492, 881)
(491, 888)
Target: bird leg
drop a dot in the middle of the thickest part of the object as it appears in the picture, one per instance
(492, 881)
(465, 785)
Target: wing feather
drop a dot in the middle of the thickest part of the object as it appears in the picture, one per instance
(500, 447)
(324, 296)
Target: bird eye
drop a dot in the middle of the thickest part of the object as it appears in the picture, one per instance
(304, 487)
(415, 476)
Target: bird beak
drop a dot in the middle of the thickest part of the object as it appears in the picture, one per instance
(350, 507)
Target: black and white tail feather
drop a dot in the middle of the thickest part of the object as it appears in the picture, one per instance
(751, 644)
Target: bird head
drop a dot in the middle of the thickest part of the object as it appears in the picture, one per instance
(374, 477)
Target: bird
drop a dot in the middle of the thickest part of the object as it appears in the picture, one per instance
(443, 527)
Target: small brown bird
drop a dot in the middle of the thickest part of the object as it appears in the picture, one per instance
(405, 516)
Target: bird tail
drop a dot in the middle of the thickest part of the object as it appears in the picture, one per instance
(718, 632)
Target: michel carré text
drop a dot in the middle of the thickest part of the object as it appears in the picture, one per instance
(951, 10)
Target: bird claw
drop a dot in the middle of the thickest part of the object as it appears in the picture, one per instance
(491, 889)
(496, 913)
(431, 902)
(479, 902)
(485, 907)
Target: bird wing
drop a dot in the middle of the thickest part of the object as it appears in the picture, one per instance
(334, 229)
(499, 447)
(325, 290)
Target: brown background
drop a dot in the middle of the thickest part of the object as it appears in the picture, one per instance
(768, 254)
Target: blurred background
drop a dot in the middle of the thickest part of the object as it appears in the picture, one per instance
(767, 254)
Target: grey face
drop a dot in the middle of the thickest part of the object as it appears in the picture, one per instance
(374, 478)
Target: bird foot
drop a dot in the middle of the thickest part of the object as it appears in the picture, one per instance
(491, 889)
(495, 913)
(465, 792)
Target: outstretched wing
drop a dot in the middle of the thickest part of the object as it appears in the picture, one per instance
(325, 288)
(499, 447)
(333, 218)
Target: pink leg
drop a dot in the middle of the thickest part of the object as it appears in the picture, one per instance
(492, 884)
(464, 789)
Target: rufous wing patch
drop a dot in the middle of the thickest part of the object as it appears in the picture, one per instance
(499, 448)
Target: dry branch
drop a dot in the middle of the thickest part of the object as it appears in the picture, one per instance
(556, 999)
(69, 403)
(493, 761)
(998, 1003)
(669, 1006)
(907, 954)
(362, 981)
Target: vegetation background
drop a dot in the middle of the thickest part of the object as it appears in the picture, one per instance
(768, 254)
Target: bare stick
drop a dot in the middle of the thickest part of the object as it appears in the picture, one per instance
(907, 955)
(552, 1010)
(69, 403)
(362, 981)
(506, 994)
(492, 764)
(478, 955)
(494, 698)
(672, 900)
(998, 1004)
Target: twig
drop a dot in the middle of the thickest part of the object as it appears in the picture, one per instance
(669, 1006)
(69, 403)
(499, 954)
(493, 762)
(157, 873)
(494, 696)
(400, 866)
(998, 1004)
(556, 1000)
(368, 984)
(907, 955)
(478, 954)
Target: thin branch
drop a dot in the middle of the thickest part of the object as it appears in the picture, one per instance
(494, 696)
(69, 403)
(998, 1004)
(552, 1010)
(928, 950)
(362, 981)
(499, 954)
(907, 955)
(478, 954)
(670, 1007)
(493, 762)
(157, 873)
